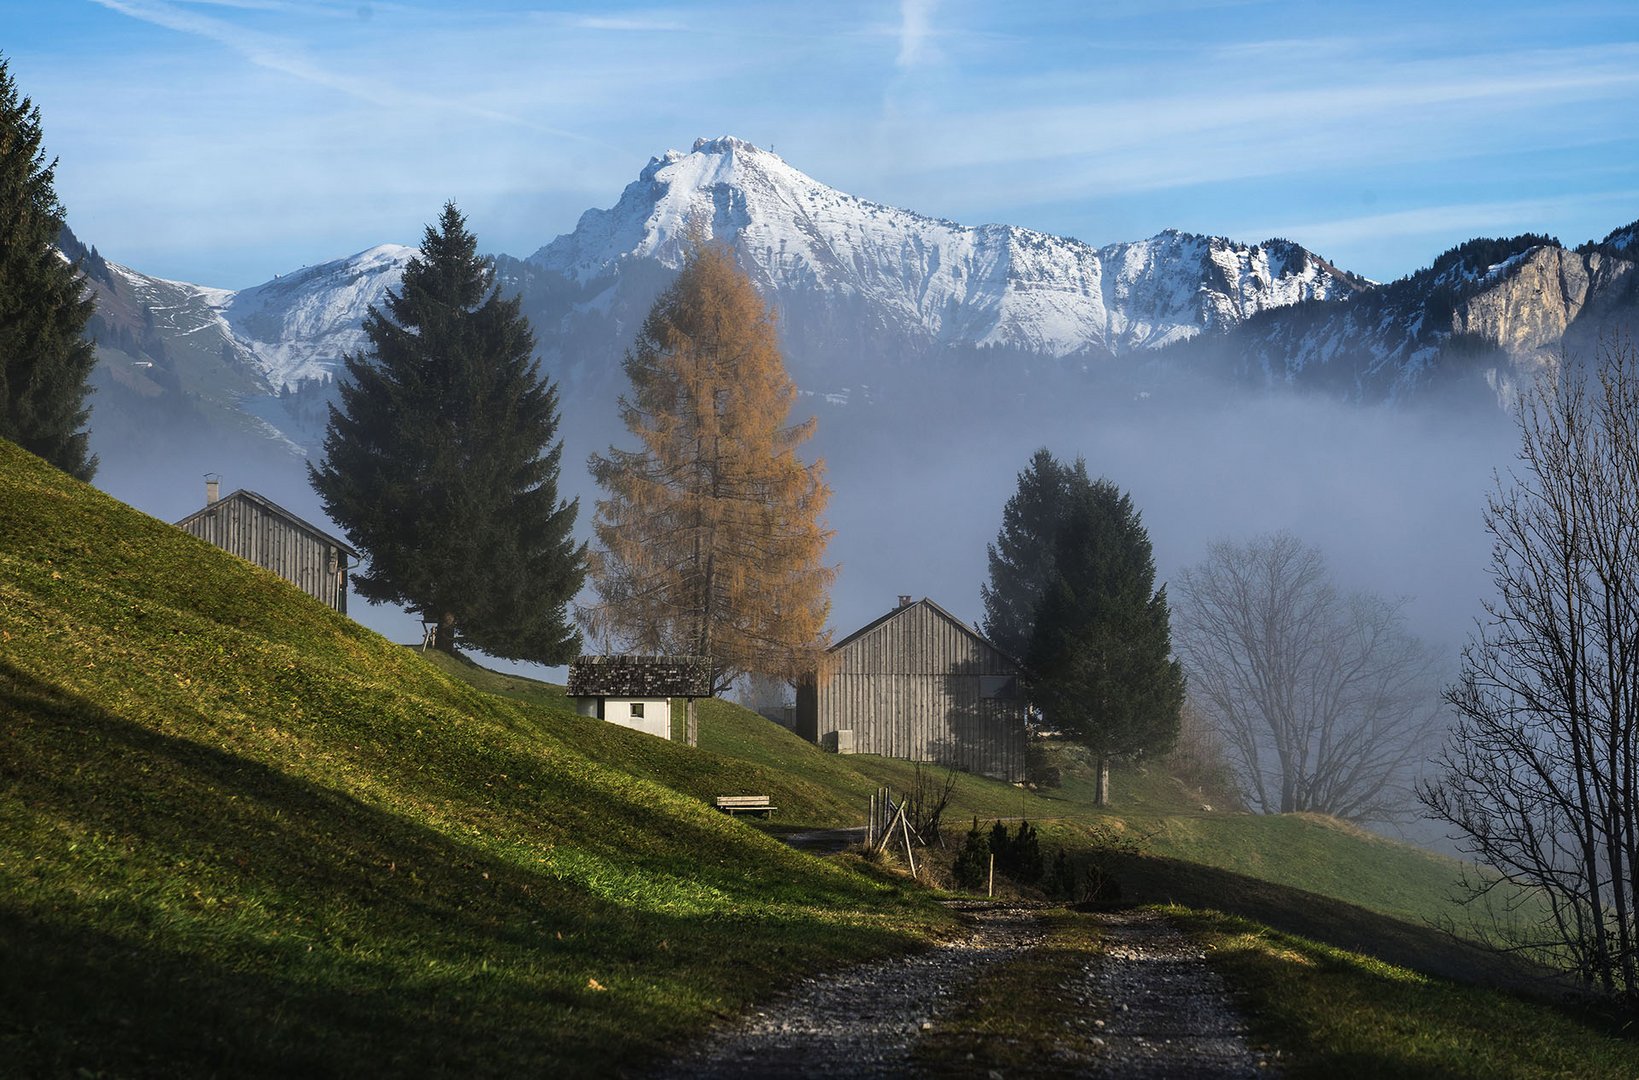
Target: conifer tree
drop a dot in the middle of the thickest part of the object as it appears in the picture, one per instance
(1021, 559)
(711, 539)
(45, 356)
(441, 464)
(1100, 657)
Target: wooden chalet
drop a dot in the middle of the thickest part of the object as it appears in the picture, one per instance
(257, 529)
(921, 685)
(637, 691)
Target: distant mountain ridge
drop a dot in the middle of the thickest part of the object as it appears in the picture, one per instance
(922, 282)
(931, 279)
(1493, 310)
(875, 301)
(299, 325)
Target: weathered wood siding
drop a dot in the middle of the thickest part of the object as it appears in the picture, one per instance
(252, 531)
(921, 686)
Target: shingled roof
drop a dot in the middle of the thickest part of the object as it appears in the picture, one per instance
(640, 676)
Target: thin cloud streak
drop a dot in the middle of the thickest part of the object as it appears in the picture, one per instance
(1114, 147)
(628, 24)
(915, 30)
(284, 56)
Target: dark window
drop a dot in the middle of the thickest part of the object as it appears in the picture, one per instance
(637, 710)
(998, 687)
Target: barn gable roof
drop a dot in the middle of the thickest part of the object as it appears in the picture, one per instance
(937, 610)
(625, 675)
(276, 510)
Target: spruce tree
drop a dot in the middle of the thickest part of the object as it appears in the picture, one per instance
(45, 356)
(441, 465)
(1101, 654)
(711, 539)
(1021, 559)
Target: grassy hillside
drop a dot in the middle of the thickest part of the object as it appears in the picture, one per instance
(1351, 997)
(1303, 874)
(1171, 844)
(239, 834)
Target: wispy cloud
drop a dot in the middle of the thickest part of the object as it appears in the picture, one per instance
(647, 24)
(273, 52)
(289, 57)
(915, 32)
(1087, 138)
(241, 5)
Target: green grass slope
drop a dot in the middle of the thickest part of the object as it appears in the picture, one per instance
(241, 835)
(1304, 873)
(1300, 873)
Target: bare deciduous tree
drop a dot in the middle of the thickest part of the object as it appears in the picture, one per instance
(1541, 776)
(1327, 703)
(1200, 759)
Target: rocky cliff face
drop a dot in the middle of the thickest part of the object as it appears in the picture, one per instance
(1531, 305)
(1490, 313)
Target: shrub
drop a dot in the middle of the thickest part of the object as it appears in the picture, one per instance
(1018, 856)
(972, 865)
(1061, 877)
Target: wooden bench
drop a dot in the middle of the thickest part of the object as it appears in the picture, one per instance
(745, 804)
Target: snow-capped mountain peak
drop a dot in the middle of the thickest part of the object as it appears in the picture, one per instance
(854, 280)
(935, 280)
(298, 325)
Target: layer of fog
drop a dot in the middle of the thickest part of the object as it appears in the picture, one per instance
(1392, 495)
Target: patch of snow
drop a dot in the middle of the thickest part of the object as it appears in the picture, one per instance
(953, 284)
(299, 325)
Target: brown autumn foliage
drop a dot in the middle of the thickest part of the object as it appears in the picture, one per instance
(711, 539)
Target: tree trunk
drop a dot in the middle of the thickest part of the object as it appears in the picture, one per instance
(1101, 787)
(444, 639)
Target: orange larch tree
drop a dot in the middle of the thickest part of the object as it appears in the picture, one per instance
(711, 539)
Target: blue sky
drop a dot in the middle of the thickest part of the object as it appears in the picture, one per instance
(224, 141)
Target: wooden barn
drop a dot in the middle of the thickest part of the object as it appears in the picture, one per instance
(921, 685)
(637, 691)
(265, 533)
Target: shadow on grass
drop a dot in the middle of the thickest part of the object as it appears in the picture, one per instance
(170, 908)
(1152, 879)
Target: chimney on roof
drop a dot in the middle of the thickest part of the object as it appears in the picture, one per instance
(213, 487)
(904, 600)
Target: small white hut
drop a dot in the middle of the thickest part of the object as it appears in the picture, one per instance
(637, 691)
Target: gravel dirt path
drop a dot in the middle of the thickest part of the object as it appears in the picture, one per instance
(1160, 1010)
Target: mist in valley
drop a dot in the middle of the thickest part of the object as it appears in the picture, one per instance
(1392, 494)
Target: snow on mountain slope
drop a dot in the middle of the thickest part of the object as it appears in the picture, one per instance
(1503, 307)
(952, 284)
(292, 328)
(920, 280)
(299, 325)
